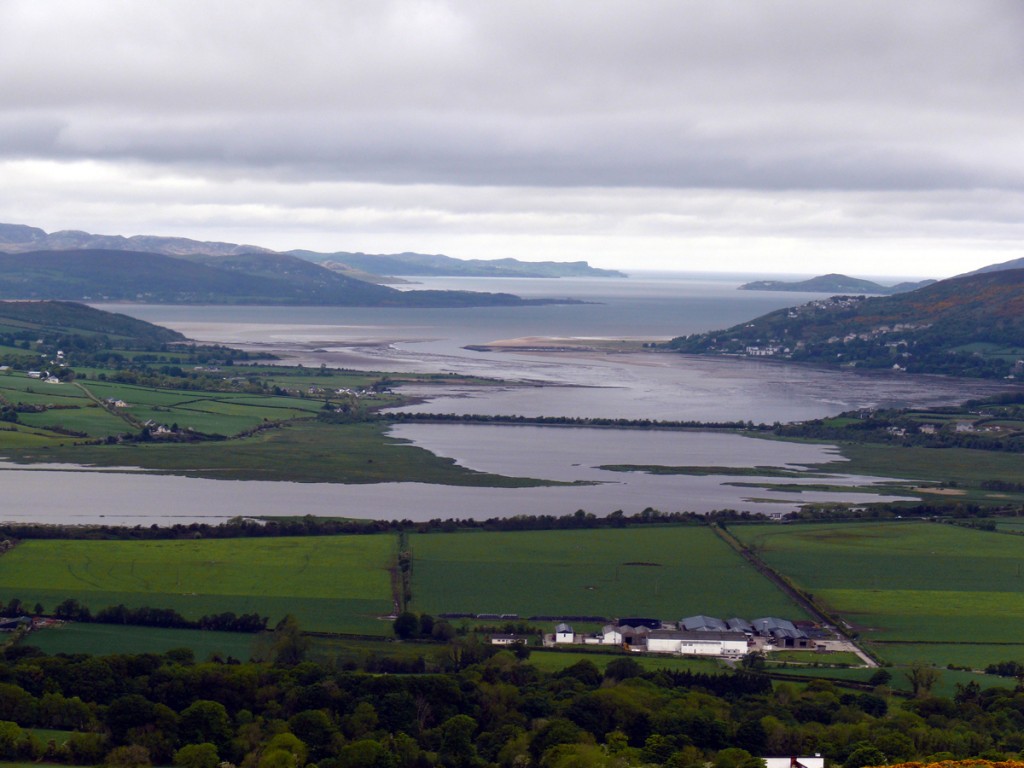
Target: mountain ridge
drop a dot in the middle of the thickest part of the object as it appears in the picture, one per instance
(21, 238)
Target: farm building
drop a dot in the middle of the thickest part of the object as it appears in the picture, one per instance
(610, 634)
(703, 624)
(697, 643)
(619, 634)
(781, 633)
(740, 625)
(564, 634)
(507, 639)
(696, 635)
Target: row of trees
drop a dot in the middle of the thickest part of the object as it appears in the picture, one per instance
(145, 616)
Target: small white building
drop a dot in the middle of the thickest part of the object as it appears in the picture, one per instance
(564, 634)
(609, 635)
(815, 761)
(507, 639)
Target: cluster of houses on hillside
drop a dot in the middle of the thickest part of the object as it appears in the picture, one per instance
(697, 636)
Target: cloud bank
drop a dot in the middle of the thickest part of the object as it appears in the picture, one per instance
(711, 134)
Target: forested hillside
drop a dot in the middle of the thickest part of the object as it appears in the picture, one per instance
(248, 278)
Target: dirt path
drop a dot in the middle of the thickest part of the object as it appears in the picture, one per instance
(846, 642)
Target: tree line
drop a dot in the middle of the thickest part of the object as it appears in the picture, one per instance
(471, 706)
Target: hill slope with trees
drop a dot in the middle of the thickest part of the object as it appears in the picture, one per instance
(249, 278)
(970, 326)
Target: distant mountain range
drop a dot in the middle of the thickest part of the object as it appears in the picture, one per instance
(424, 265)
(77, 266)
(971, 325)
(834, 283)
(15, 238)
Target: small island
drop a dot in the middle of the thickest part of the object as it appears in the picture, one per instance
(834, 283)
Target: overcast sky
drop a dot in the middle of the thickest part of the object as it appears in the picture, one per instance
(868, 137)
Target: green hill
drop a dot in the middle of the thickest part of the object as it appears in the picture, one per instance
(67, 318)
(971, 326)
(17, 238)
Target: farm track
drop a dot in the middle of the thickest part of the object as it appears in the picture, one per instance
(790, 591)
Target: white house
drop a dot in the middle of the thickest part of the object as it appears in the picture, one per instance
(564, 634)
(507, 639)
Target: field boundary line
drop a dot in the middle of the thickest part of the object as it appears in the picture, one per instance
(791, 591)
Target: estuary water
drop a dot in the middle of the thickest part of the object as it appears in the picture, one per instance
(649, 306)
(637, 385)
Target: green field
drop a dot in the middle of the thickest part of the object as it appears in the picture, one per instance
(662, 572)
(107, 639)
(916, 582)
(962, 466)
(91, 419)
(556, 660)
(330, 583)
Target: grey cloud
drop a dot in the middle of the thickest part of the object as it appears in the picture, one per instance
(764, 95)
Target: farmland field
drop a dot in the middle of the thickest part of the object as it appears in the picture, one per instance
(914, 582)
(107, 639)
(330, 583)
(94, 421)
(554, 661)
(662, 572)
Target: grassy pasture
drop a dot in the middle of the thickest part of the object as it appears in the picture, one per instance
(964, 466)
(976, 656)
(19, 389)
(557, 660)
(270, 405)
(106, 639)
(210, 412)
(19, 437)
(95, 421)
(910, 581)
(143, 396)
(330, 583)
(667, 573)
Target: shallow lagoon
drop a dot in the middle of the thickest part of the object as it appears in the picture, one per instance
(564, 454)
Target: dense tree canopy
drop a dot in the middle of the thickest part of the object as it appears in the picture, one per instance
(490, 708)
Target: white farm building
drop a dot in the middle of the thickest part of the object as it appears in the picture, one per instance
(697, 643)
